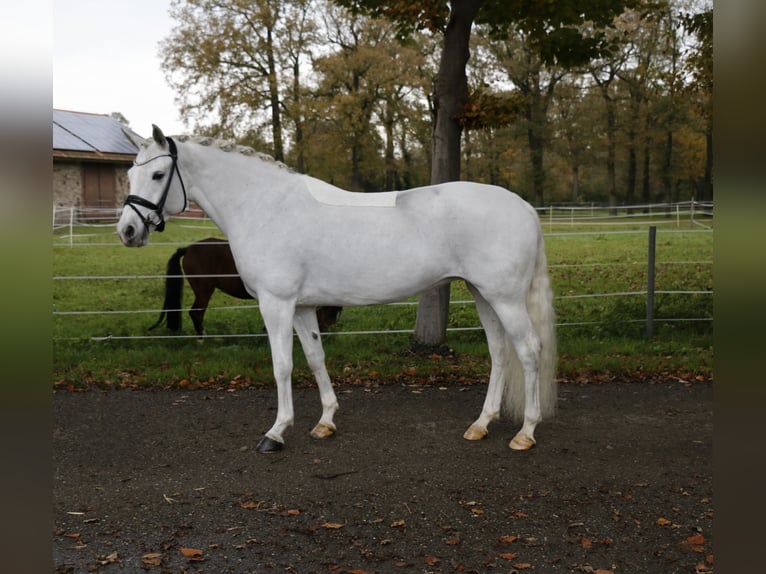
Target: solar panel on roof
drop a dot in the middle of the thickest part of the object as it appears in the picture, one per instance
(89, 132)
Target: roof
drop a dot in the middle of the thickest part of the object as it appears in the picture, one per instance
(79, 134)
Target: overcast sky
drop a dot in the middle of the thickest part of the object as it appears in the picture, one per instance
(105, 59)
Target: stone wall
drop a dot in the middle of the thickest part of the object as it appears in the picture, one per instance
(67, 184)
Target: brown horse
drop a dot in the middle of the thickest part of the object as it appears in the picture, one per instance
(209, 265)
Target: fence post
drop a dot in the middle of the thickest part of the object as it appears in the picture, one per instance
(691, 214)
(71, 226)
(650, 283)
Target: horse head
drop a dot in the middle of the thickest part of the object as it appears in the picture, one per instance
(154, 192)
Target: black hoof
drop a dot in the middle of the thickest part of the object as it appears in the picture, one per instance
(268, 445)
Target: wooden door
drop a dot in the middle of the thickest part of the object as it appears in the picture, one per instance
(98, 185)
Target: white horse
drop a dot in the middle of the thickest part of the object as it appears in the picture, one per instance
(300, 243)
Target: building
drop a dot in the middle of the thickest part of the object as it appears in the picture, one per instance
(91, 157)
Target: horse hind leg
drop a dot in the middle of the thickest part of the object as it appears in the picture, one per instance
(307, 327)
(524, 353)
(497, 350)
(202, 295)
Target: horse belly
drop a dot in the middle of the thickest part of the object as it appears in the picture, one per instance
(371, 277)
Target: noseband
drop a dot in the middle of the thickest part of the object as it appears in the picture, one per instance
(133, 200)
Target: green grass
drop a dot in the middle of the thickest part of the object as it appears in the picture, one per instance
(599, 338)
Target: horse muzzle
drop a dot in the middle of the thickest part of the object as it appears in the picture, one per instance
(132, 233)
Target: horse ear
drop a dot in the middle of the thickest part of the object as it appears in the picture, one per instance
(158, 136)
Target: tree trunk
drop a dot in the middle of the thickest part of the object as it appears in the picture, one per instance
(450, 94)
(536, 153)
(646, 188)
(388, 124)
(611, 153)
(300, 158)
(575, 183)
(707, 194)
(274, 100)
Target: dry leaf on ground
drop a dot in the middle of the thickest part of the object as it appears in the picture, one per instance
(332, 525)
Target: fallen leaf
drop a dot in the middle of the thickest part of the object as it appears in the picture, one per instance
(74, 535)
(191, 552)
(586, 543)
(250, 504)
(477, 511)
(332, 525)
(522, 566)
(509, 555)
(696, 539)
(663, 521)
(694, 543)
(432, 560)
(453, 541)
(109, 559)
(509, 539)
(397, 524)
(293, 512)
(153, 559)
(519, 514)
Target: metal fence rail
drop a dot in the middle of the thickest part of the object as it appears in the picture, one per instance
(648, 294)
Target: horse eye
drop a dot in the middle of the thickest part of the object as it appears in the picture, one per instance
(157, 175)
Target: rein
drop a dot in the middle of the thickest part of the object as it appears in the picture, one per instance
(133, 200)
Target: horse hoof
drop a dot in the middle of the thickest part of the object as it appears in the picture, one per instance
(522, 441)
(475, 432)
(322, 431)
(267, 446)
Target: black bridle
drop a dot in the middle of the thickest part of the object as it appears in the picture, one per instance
(133, 200)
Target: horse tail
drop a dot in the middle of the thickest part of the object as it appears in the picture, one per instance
(543, 317)
(174, 283)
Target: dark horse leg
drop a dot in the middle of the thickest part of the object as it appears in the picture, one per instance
(327, 317)
(209, 265)
(174, 283)
(203, 291)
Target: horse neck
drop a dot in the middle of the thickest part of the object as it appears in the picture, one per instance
(224, 184)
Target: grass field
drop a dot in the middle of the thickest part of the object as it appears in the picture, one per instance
(106, 297)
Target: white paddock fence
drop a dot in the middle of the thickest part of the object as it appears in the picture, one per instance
(80, 229)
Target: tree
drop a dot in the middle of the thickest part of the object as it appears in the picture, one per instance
(561, 31)
(700, 65)
(224, 59)
(536, 80)
(120, 118)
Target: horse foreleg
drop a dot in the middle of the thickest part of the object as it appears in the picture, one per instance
(307, 327)
(278, 317)
(496, 343)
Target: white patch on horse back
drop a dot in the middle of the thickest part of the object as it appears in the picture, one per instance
(327, 194)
